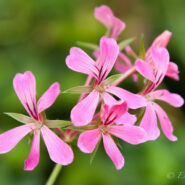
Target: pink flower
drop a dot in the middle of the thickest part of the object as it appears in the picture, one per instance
(105, 15)
(112, 114)
(25, 88)
(162, 41)
(79, 61)
(155, 74)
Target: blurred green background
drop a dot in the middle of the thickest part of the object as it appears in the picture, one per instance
(37, 36)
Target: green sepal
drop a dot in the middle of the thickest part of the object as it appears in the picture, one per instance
(88, 45)
(82, 128)
(57, 123)
(142, 48)
(125, 43)
(79, 90)
(94, 152)
(20, 117)
(110, 80)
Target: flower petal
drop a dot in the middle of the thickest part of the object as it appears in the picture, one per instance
(149, 122)
(24, 85)
(165, 122)
(173, 71)
(108, 99)
(58, 150)
(104, 14)
(134, 101)
(88, 140)
(113, 151)
(79, 61)
(126, 119)
(83, 112)
(145, 69)
(49, 97)
(10, 138)
(109, 50)
(117, 27)
(131, 134)
(33, 158)
(168, 97)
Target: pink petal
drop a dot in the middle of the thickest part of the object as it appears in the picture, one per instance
(33, 158)
(170, 98)
(126, 119)
(79, 61)
(88, 140)
(134, 101)
(10, 138)
(121, 68)
(145, 69)
(108, 99)
(113, 151)
(111, 113)
(58, 150)
(131, 134)
(83, 112)
(49, 97)
(160, 41)
(173, 71)
(24, 85)
(149, 122)
(117, 27)
(109, 50)
(104, 14)
(165, 122)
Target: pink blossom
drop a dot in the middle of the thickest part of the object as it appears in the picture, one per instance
(155, 73)
(105, 15)
(59, 151)
(79, 61)
(111, 114)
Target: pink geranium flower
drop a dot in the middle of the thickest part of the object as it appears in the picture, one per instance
(59, 151)
(79, 61)
(111, 114)
(105, 15)
(155, 72)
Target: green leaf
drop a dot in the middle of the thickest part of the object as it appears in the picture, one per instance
(88, 45)
(57, 123)
(94, 152)
(20, 117)
(82, 128)
(125, 43)
(142, 48)
(112, 79)
(79, 90)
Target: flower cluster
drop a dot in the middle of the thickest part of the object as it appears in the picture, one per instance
(112, 118)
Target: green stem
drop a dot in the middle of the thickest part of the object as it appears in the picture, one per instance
(54, 174)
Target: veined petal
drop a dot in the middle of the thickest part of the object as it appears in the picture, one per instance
(88, 140)
(165, 122)
(168, 97)
(83, 112)
(104, 14)
(112, 113)
(10, 138)
(145, 69)
(79, 61)
(149, 122)
(131, 134)
(109, 50)
(49, 97)
(33, 158)
(126, 119)
(113, 151)
(25, 88)
(134, 101)
(108, 99)
(117, 27)
(58, 150)
(173, 71)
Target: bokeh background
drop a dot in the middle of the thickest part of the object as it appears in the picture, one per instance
(37, 36)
